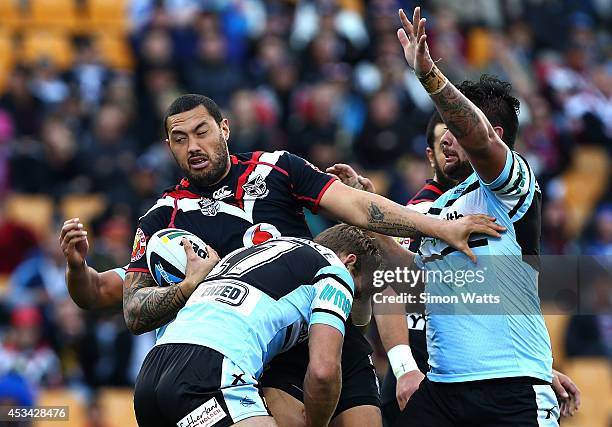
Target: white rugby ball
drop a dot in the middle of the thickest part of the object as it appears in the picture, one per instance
(166, 256)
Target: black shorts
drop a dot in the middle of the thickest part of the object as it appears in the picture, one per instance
(500, 402)
(359, 382)
(182, 382)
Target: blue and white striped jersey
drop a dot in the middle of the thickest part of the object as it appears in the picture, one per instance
(260, 301)
(475, 339)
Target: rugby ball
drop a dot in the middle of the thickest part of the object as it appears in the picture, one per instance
(166, 256)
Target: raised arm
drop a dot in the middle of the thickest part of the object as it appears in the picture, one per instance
(87, 288)
(481, 141)
(147, 306)
(381, 215)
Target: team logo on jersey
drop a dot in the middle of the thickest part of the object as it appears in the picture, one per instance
(209, 207)
(246, 401)
(222, 193)
(259, 233)
(140, 246)
(256, 187)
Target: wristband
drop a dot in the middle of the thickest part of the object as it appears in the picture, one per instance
(434, 81)
(401, 360)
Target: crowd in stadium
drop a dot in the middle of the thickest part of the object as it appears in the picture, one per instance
(325, 80)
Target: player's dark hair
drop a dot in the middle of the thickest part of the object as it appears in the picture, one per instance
(189, 102)
(493, 97)
(348, 239)
(434, 120)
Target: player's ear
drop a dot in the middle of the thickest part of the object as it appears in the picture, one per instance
(225, 129)
(349, 261)
(430, 156)
(167, 141)
(499, 131)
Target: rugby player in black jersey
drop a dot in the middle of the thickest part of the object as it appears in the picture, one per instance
(233, 201)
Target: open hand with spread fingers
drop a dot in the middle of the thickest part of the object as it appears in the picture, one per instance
(414, 42)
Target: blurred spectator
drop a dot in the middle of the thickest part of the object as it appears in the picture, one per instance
(39, 280)
(89, 75)
(16, 242)
(313, 136)
(113, 245)
(545, 144)
(54, 166)
(211, 74)
(14, 390)
(107, 349)
(590, 334)
(25, 351)
(24, 107)
(601, 242)
(247, 133)
(385, 135)
(69, 340)
(110, 155)
(47, 83)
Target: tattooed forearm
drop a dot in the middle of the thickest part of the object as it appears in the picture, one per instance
(147, 306)
(389, 224)
(459, 114)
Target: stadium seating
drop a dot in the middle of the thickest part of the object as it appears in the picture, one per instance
(82, 206)
(55, 46)
(7, 57)
(64, 397)
(108, 15)
(115, 51)
(557, 326)
(59, 15)
(11, 17)
(34, 211)
(118, 405)
(594, 378)
(591, 165)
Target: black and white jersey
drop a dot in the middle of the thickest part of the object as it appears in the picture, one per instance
(261, 198)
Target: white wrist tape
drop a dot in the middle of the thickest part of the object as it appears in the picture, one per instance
(401, 360)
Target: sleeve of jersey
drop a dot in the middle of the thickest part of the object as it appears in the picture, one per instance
(148, 225)
(514, 186)
(121, 271)
(334, 290)
(307, 182)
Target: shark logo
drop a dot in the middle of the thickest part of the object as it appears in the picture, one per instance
(256, 187)
(246, 401)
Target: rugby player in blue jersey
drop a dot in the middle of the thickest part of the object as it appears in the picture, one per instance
(487, 368)
(256, 303)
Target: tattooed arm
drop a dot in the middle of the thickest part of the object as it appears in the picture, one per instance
(465, 121)
(376, 213)
(147, 306)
